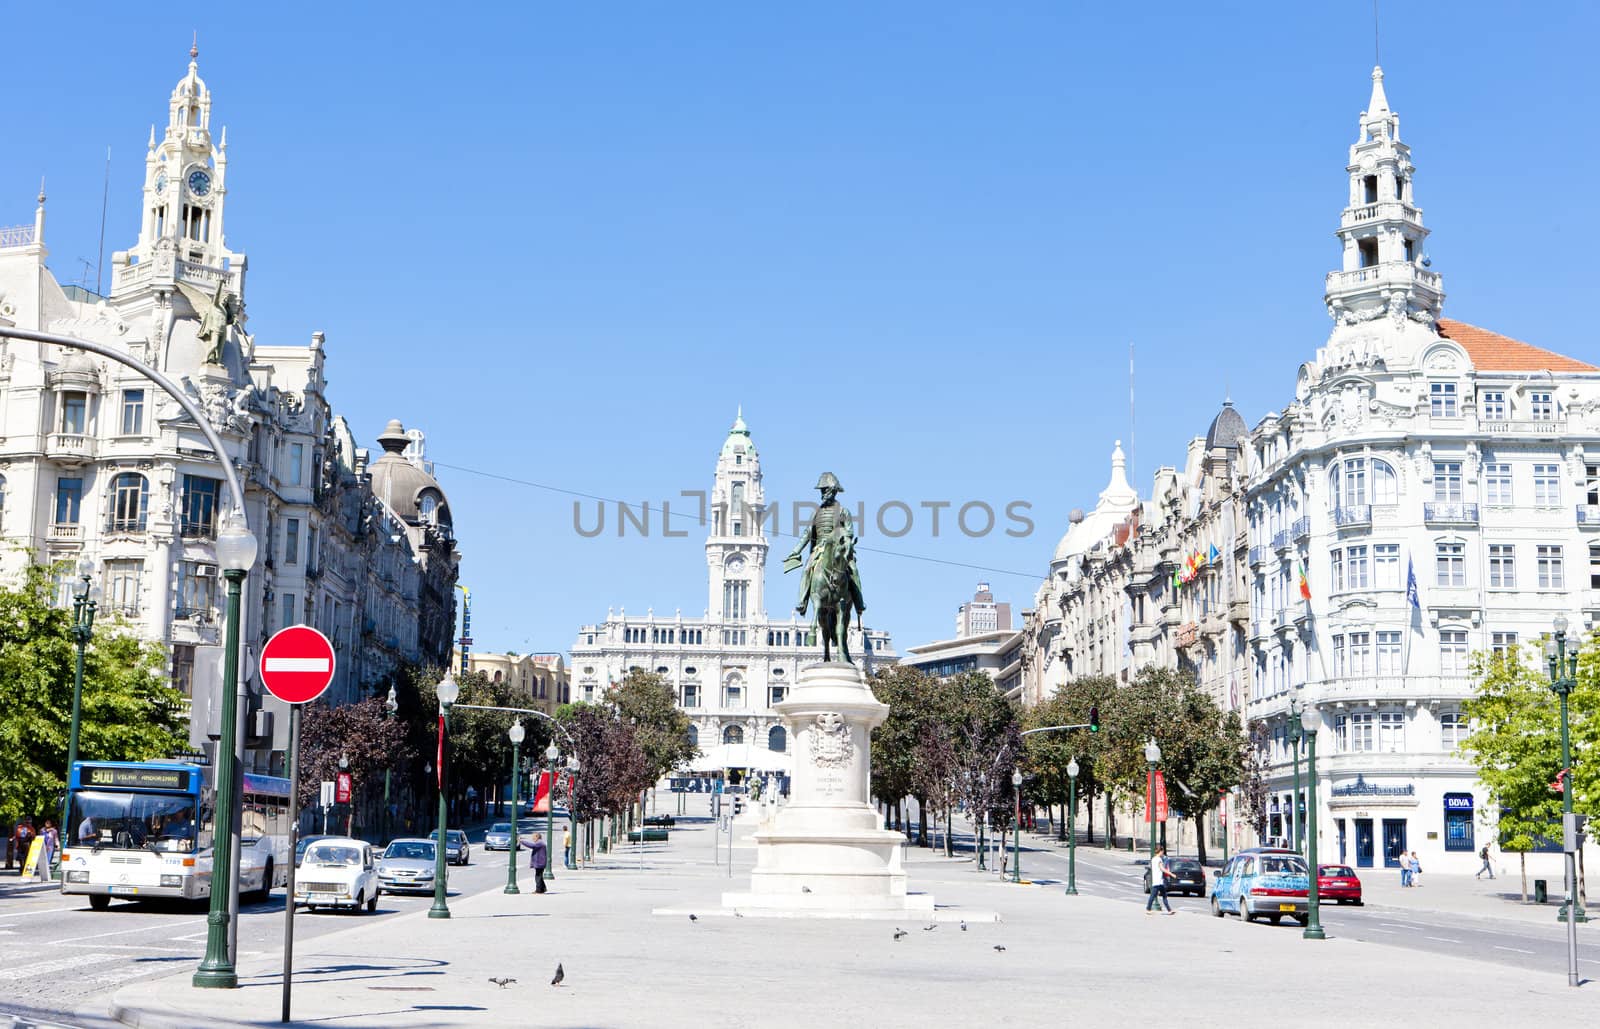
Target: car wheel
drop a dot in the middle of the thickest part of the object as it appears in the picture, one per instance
(372, 905)
(1244, 910)
(99, 901)
(1275, 919)
(1216, 907)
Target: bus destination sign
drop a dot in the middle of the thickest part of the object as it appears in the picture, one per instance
(137, 778)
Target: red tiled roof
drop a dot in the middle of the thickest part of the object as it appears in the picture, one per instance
(1492, 352)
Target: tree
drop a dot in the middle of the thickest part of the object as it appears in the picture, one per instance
(1516, 746)
(130, 710)
(1253, 791)
(613, 766)
(647, 701)
(905, 689)
(1073, 702)
(360, 732)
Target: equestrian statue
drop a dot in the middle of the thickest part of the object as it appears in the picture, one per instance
(829, 580)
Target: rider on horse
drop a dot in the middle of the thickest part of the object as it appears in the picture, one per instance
(830, 579)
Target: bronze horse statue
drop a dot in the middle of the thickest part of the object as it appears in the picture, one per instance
(830, 580)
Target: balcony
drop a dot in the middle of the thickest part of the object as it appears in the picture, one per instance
(71, 448)
(66, 532)
(1239, 612)
(1589, 515)
(1455, 513)
(1280, 540)
(1301, 529)
(1187, 635)
(1362, 688)
(1353, 517)
(1258, 556)
(1538, 427)
(1389, 209)
(1389, 273)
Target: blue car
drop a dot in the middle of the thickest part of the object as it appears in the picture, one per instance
(1263, 882)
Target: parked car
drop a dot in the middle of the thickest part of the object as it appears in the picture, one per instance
(499, 836)
(661, 820)
(457, 851)
(407, 865)
(1338, 883)
(1263, 882)
(1188, 877)
(301, 845)
(337, 872)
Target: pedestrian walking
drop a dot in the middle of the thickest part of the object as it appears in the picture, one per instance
(1416, 869)
(538, 860)
(52, 846)
(21, 839)
(1158, 882)
(1487, 867)
(1405, 869)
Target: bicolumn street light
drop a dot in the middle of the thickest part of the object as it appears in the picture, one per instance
(1016, 837)
(84, 603)
(1072, 827)
(517, 733)
(552, 754)
(1310, 722)
(236, 553)
(1152, 757)
(448, 691)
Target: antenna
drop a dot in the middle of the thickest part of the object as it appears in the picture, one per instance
(1133, 419)
(100, 254)
(1375, 55)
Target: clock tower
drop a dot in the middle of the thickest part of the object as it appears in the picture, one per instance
(736, 549)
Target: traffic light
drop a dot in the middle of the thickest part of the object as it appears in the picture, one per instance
(1094, 718)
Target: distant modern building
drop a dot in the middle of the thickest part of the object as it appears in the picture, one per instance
(982, 614)
(731, 664)
(103, 472)
(988, 652)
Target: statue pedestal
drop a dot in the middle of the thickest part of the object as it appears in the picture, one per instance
(824, 853)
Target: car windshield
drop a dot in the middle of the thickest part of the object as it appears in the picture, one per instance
(132, 821)
(1337, 870)
(1288, 864)
(333, 854)
(500, 827)
(413, 849)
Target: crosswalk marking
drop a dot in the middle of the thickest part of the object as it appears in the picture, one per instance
(39, 968)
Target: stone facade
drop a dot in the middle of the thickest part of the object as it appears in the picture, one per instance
(732, 664)
(540, 680)
(104, 471)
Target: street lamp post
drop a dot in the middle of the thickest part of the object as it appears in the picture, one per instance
(1152, 757)
(1310, 722)
(516, 732)
(350, 804)
(84, 603)
(552, 754)
(1072, 827)
(1016, 837)
(571, 849)
(236, 552)
(1563, 677)
(390, 706)
(1294, 802)
(448, 691)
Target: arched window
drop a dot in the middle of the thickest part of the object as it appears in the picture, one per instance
(428, 507)
(733, 735)
(130, 502)
(1385, 484)
(777, 739)
(694, 736)
(733, 692)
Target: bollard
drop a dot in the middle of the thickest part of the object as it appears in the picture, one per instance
(1541, 891)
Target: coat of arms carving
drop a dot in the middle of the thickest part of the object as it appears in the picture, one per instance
(830, 741)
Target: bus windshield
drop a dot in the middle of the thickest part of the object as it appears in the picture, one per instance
(132, 821)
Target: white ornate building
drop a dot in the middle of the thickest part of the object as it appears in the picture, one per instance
(1413, 444)
(103, 471)
(731, 664)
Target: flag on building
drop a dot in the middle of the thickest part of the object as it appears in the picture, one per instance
(1411, 585)
(1305, 584)
(1216, 555)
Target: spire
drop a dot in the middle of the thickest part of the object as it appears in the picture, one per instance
(1379, 102)
(1118, 488)
(738, 423)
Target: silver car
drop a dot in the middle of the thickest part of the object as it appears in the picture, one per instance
(498, 837)
(407, 865)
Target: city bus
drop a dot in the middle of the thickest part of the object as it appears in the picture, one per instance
(144, 830)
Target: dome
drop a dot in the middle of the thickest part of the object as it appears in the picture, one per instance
(1226, 428)
(738, 440)
(406, 487)
(1117, 500)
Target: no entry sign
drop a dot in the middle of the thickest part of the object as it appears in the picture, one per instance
(297, 664)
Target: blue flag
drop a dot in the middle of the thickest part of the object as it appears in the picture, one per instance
(1215, 555)
(1411, 584)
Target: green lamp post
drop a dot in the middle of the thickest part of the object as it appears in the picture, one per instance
(1072, 827)
(552, 754)
(390, 706)
(448, 691)
(1152, 757)
(1295, 836)
(571, 849)
(1563, 678)
(236, 553)
(1016, 836)
(517, 733)
(84, 603)
(1310, 722)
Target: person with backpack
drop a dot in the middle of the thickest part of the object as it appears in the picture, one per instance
(1487, 867)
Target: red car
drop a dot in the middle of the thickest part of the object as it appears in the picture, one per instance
(1339, 884)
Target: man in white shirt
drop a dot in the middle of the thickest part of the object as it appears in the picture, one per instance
(1158, 882)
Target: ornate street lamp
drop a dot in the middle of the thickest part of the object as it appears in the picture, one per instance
(571, 849)
(1563, 678)
(349, 805)
(390, 706)
(552, 754)
(1310, 722)
(236, 553)
(1072, 827)
(84, 603)
(517, 733)
(448, 691)
(1295, 835)
(1152, 757)
(1016, 837)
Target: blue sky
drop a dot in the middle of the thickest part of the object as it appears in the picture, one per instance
(567, 240)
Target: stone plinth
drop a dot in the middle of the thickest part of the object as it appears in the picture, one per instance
(824, 852)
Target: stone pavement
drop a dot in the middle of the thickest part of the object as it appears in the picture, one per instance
(1066, 960)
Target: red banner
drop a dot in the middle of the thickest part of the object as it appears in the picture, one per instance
(541, 795)
(341, 789)
(1155, 797)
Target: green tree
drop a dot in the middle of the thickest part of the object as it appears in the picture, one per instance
(130, 712)
(906, 690)
(647, 701)
(1516, 746)
(1073, 702)
(363, 735)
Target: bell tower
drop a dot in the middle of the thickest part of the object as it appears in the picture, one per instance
(1384, 269)
(736, 549)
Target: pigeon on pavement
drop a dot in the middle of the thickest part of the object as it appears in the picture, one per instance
(693, 918)
(502, 983)
(930, 927)
(805, 889)
(963, 925)
(899, 932)
(561, 974)
(999, 948)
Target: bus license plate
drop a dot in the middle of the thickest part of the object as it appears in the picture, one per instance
(1285, 907)
(124, 889)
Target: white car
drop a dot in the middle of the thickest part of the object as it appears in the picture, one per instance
(337, 872)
